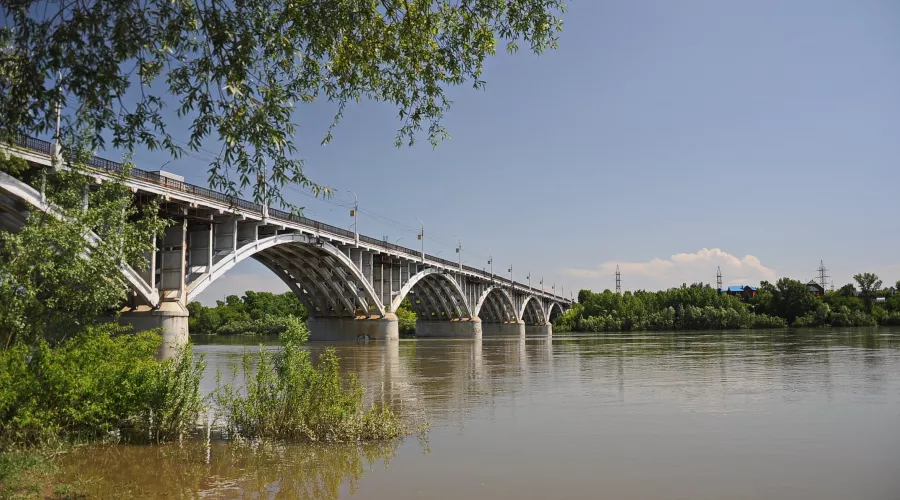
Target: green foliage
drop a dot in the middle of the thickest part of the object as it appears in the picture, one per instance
(54, 280)
(286, 396)
(98, 382)
(255, 313)
(868, 285)
(406, 318)
(699, 307)
(695, 307)
(238, 70)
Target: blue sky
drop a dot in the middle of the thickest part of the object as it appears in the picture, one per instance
(667, 137)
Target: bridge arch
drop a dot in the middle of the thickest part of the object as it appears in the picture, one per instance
(495, 305)
(532, 311)
(553, 311)
(436, 296)
(322, 276)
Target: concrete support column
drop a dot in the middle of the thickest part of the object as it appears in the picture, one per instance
(457, 329)
(171, 318)
(338, 329)
(545, 330)
(511, 329)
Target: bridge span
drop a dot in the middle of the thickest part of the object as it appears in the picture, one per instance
(351, 284)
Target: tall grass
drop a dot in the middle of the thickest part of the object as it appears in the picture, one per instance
(286, 396)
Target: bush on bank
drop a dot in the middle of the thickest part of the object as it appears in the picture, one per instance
(286, 396)
(99, 383)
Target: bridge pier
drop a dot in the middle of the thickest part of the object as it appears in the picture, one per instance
(509, 329)
(545, 330)
(334, 329)
(171, 318)
(456, 329)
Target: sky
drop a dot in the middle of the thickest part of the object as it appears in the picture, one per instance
(665, 137)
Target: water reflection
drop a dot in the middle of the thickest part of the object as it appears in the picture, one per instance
(809, 414)
(226, 470)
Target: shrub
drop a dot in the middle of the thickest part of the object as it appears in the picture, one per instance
(98, 382)
(267, 325)
(287, 397)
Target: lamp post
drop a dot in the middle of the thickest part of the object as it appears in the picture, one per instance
(491, 263)
(422, 238)
(398, 240)
(459, 251)
(542, 285)
(355, 214)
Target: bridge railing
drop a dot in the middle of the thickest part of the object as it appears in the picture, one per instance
(46, 147)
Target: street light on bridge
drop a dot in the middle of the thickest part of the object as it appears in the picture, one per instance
(422, 238)
(491, 263)
(354, 212)
(459, 251)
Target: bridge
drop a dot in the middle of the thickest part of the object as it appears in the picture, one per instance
(351, 284)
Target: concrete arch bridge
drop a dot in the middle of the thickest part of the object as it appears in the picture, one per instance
(352, 285)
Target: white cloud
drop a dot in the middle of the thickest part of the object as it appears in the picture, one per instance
(680, 268)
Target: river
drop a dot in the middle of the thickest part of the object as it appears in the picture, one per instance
(714, 415)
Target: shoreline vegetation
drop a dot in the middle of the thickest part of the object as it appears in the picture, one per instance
(266, 313)
(786, 303)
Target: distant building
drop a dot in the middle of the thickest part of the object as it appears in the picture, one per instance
(745, 292)
(815, 288)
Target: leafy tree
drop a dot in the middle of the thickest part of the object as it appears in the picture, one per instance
(868, 284)
(792, 299)
(237, 70)
(49, 269)
(847, 290)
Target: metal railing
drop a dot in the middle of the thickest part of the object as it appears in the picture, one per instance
(47, 147)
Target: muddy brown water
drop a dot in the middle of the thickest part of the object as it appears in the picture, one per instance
(713, 415)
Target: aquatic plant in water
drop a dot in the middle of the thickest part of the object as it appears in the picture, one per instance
(286, 396)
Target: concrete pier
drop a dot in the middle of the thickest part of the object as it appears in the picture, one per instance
(337, 329)
(170, 317)
(509, 329)
(539, 330)
(456, 329)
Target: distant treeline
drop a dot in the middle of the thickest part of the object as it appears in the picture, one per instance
(265, 313)
(254, 313)
(786, 303)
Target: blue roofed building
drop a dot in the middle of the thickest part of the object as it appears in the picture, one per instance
(745, 292)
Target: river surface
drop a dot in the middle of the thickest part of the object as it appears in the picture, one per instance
(723, 415)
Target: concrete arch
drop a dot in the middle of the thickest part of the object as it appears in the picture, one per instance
(554, 306)
(501, 300)
(439, 289)
(321, 268)
(532, 311)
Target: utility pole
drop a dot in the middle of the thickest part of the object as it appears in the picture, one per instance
(718, 278)
(618, 280)
(355, 214)
(422, 238)
(823, 277)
